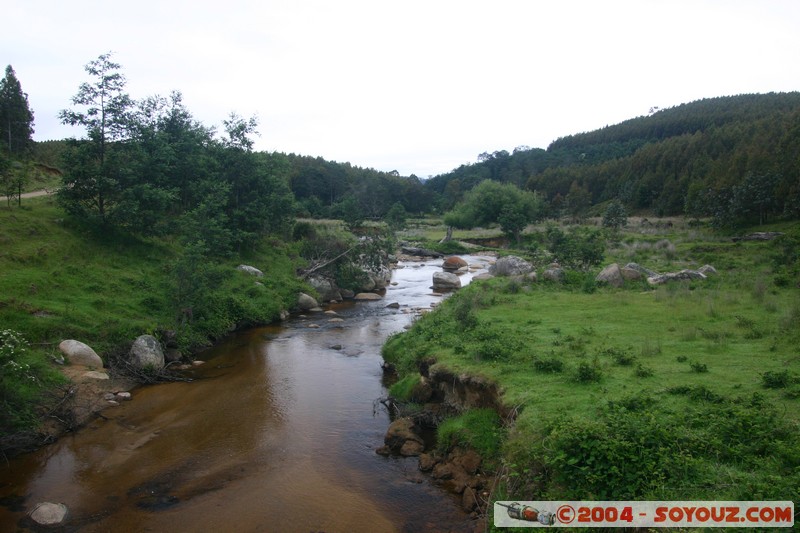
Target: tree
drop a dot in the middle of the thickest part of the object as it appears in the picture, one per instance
(91, 183)
(16, 118)
(615, 216)
(491, 202)
(396, 217)
(578, 201)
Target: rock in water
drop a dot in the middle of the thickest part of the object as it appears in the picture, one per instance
(453, 263)
(146, 352)
(79, 353)
(445, 281)
(306, 302)
(49, 514)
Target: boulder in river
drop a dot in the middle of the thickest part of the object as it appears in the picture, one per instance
(453, 263)
(366, 296)
(306, 302)
(445, 281)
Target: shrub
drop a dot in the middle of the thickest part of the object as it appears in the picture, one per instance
(551, 365)
(777, 380)
(588, 373)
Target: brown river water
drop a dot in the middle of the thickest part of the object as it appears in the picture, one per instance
(278, 433)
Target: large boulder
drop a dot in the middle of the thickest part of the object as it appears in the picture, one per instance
(79, 353)
(253, 271)
(554, 273)
(645, 272)
(306, 302)
(453, 263)
(510, 265)
(146, 352)
(445, 281)
(327, 290)
(612, 275)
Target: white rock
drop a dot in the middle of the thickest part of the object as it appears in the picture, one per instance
(79, 353)
(49, 514)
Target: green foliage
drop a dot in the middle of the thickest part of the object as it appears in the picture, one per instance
(479, 429)
(588, 372)
(16, 117)
(403, 389)
(549, 365)
(581, 247)
(490, 201)
(615, 217)
(396, 217)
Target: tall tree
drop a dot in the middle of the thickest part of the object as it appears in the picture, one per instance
(16, 118)
(94, 167)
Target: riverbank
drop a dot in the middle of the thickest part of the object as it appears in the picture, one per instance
(596, 374)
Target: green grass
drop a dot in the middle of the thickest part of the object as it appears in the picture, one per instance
(661, 372)
(60, 280)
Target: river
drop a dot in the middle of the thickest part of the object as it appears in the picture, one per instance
(278, 433)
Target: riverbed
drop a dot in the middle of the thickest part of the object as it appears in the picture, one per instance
(277, 433)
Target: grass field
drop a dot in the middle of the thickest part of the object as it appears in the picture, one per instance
(687, 390)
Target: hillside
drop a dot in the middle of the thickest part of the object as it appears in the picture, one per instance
(681, 160)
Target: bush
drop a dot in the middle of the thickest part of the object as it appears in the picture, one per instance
(550, 365)
(588, 373)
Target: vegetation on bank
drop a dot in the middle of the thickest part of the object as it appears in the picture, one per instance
(688, 390)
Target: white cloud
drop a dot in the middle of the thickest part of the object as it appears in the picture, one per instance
(417, 86)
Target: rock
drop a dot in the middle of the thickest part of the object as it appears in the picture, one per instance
(146, 353)
(79, 353)
(367, 296)
(453, 263)
(334, 320)
(347, 293)
(313, 326)
(306, 302)
(630, 274)
(253, 271)
(400, 431)
(510, 265)
(284, 315)
(422, 252)
(109, 396)
(172, 355)
(469, 500)
(707, 270)
(327, 290)
(94, 374)
(198, 363)
(411, 448)
(124, 396)
(384, 450)
(759, 236)
(469, 460)
(442, 471)
(612, 275)
(645, 272)
(393, 305)
(481, 277)
(445, 281)
(427, 461)
(49, 514)
(555, 274)
(685, 274)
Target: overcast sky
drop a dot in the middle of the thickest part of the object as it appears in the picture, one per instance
(418, 86)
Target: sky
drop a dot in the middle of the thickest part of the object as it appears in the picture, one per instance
(416, 86)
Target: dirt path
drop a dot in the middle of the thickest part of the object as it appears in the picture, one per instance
(32, 194)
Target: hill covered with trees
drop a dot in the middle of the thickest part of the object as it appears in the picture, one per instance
(734, 158)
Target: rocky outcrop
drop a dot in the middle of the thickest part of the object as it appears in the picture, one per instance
(253, 271)
(453, 263)
(78, 353)
(445, 281)
(685, 274)
(510, 265)
(146, 353)
(402, 438)
(759, 236)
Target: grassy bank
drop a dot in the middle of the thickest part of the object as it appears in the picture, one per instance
(688, 390)
(59, 280)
